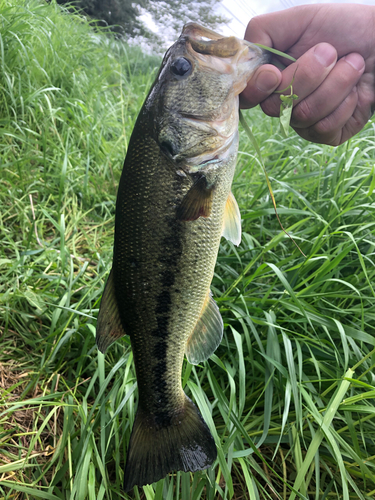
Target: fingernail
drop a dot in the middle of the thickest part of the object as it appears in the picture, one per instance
(266, 81)
(356, 61)
(325, 54)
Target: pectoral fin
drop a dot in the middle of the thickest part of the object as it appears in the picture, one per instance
(207, 333)
(197, 202)
(109, 327)
(232, 221)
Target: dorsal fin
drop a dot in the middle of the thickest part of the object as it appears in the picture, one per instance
(232, 221)
(108, 327)
(207, 333)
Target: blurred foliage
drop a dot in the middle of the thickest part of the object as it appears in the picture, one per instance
(124, 16)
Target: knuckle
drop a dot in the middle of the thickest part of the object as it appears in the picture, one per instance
(323, 127)
(307, 73)
(356, 122)
(254, 27)
(333, 138)
(271, 106)
(303, 112)
(321, 134)
(326, 132)
(254, 23)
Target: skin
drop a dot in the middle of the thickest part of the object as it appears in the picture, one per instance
(334, 76)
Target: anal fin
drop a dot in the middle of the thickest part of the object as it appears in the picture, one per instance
(207, 333)
(232, 221)
(108, 327)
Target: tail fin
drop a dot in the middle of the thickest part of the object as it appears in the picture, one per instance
(185, 444)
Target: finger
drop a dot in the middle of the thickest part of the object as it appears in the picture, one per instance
(309, 24)
(264, 81)
(331, 93)
(307, 73)
(363, 110)
(333, 129)
(269, 29)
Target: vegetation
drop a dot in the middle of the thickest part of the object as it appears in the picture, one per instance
(289, 394)
(124, 17)
(121, 15)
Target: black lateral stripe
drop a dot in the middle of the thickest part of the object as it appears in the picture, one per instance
(169, 257)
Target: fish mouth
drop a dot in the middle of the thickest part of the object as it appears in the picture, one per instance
(207, 42)
(226, 55)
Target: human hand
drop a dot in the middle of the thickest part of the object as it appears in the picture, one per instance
(334, 76)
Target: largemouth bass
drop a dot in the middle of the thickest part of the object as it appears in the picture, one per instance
(174, 203)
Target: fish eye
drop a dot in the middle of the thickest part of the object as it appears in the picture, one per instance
(181, 68)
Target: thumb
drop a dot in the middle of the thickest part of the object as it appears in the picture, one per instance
(264, 81)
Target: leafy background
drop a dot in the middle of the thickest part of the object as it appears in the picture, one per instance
(289, 394)
(154, 23)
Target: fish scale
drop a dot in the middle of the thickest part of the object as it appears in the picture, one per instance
(179, 256)
(174, 203)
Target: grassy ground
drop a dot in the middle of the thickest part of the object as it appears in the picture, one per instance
(289, 395)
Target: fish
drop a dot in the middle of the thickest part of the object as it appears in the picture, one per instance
(174, 204)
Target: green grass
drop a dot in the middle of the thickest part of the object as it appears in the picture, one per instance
(289, 395)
